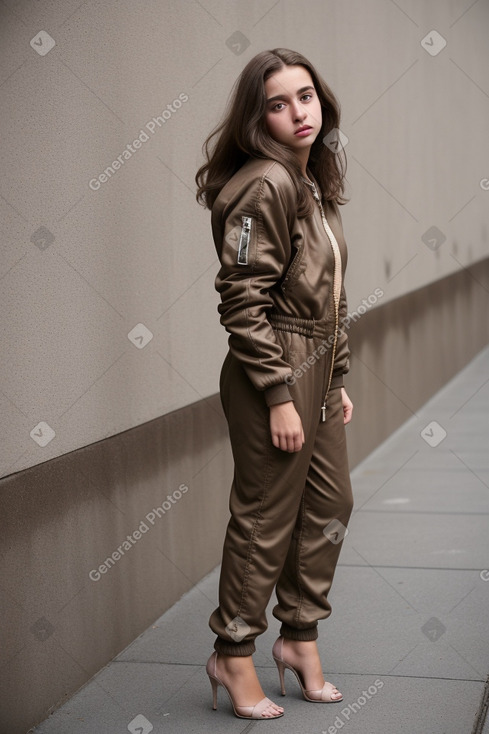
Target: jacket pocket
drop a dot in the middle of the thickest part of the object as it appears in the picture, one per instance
(244, 241)
(294, 271)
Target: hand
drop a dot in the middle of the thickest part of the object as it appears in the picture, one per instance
(286, 427)
(347, 406)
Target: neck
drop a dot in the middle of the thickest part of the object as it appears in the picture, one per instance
(303, 156)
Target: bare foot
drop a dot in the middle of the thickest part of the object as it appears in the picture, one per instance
(304, 657)
(239, 676)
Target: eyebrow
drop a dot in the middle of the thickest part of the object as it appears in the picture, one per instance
(284, 96)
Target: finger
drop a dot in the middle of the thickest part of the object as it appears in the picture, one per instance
(276, 440)
(291, 443)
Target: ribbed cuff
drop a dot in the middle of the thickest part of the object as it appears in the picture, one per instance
(337, 380)
(239, 649)
(292, 633)
(277, 394)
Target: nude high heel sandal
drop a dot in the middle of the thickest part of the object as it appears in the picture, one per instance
(321, 696)
(242, 712)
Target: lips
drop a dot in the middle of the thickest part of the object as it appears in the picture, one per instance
(303, 129)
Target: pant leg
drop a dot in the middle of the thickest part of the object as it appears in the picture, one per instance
(305, 581)
(266, 496)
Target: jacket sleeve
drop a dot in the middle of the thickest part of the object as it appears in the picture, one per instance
(255, 252)
(342, 357)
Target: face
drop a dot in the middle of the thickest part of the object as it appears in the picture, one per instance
(293, 104)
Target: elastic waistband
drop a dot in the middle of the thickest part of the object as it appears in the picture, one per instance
(307, 327)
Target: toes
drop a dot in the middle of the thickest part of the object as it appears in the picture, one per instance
(272, 710)
(334, 693)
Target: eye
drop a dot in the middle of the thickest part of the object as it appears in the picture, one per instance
(275, 106)
(308, 95)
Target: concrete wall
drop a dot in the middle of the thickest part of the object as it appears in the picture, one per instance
(85, 263)
(111, 344)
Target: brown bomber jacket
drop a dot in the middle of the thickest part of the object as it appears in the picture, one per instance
(272, 260)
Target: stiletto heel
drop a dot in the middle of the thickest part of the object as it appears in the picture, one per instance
(281, 668)
(320, 696)
(242, 712)
(214, 685)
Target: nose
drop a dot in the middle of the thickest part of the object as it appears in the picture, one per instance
(298, 112)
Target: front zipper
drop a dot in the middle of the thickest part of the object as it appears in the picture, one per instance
(336, 293)
(244, 241)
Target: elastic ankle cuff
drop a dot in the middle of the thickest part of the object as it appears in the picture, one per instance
(292, 633)
(240, 649)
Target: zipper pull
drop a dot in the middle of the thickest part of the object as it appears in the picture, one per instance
(323, 413)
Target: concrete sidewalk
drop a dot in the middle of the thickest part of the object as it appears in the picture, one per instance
(408, 640)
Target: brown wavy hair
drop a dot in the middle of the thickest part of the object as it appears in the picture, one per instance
(243, 134)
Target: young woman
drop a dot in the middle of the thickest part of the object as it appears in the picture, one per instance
(273, 187)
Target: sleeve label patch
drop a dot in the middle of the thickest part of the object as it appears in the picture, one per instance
(244, 241)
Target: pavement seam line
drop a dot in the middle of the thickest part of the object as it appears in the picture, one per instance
(482, 711)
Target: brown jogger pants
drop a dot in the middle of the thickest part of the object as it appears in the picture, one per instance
(288, 510)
